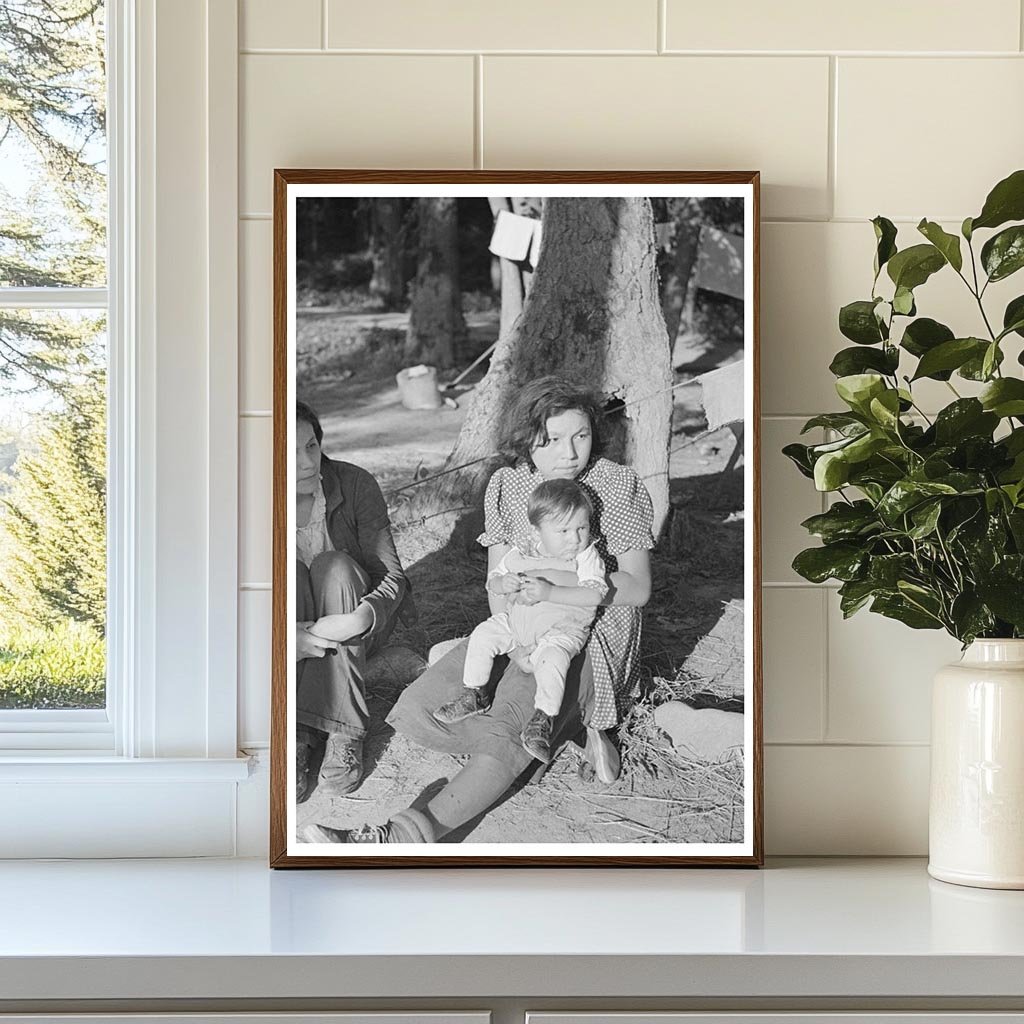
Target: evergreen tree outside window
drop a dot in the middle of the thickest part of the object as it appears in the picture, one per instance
(53, 359)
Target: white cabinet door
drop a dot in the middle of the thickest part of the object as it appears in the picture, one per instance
(361, 1017)
(933, 1017)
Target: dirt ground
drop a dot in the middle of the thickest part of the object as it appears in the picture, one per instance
(693, 627)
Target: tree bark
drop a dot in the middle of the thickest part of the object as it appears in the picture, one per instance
(682, 259)
(592, 315)
(387, 284)
(435, 313)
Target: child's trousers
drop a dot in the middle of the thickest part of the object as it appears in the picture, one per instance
(550, 659)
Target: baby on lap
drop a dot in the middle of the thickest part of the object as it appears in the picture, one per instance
(550, 621)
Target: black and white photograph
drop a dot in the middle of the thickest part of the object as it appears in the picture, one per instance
(515, 539)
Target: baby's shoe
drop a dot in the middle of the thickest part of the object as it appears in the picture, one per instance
(537, 736)
(472, 701)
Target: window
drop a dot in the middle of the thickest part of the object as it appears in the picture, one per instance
(154, 771)
(53, 373)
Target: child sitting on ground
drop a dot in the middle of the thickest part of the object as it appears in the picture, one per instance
(551, 622)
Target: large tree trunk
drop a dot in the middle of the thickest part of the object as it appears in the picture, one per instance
(593, 316)
(388, 283)
(678, 285)
(435, 313)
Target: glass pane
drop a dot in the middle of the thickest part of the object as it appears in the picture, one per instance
(53, 444)
(53, 148)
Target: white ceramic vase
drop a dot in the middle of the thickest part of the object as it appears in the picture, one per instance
(976, 813)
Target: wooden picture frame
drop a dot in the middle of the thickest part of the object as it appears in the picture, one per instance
(740, 841)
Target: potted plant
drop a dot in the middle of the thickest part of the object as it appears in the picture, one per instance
(927, 521)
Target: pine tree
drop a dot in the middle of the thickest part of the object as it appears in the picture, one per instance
(53, 519)
(52, 121)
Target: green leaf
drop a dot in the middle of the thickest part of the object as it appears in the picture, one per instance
(913, 266)
(887, 570)
(858, 389)
(966, 417)
(903, 302)
(947, 244)
(849, 361)
(923, 335)
(974, 368)
(831, 471)
(872, 491)
(925, 518)
(841, 421)
(965, 229)
(843, 521)
(885, 409)
(855, 594)
(840, 561)
(950, 355)
(904, 495)
(1005, 202)
(885, 236)
(1006, 599)
(1003, 254)
(799, 455)
(865, 446)
(899, 608)
(857, 321)
(970, 617)
(1004, 397)
(1013, 317)
(991, 360)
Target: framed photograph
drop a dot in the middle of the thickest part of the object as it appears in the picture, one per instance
(516, 522)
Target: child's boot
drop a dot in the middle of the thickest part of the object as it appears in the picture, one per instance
(537, 736)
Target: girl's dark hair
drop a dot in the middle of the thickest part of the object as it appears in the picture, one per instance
(304, 414)
(535, 403)
(561, 498)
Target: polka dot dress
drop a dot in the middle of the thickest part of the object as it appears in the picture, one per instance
(622, 521)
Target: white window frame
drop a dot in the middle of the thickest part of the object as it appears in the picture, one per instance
(168, 740)
(65, 730)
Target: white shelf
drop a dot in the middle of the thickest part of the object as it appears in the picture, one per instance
(232, 929)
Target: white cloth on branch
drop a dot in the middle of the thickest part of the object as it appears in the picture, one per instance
(722, 394)
(515, 238)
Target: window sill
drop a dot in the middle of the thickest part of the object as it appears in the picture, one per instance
(80, 767)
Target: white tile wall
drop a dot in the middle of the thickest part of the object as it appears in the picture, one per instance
(495, 25)
(253, 667)
(261, 26)
(873, 25)
(794, 664)
(699, 113)
(930, 164)
(255, 512)
(256, 302)
(332, 110)
(908, 110)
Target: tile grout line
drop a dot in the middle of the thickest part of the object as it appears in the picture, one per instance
(340, 51)
(851, 744)
(826, 649)
(323, 24)
(662, 41)
(825, 652)
(1020, 25)
(831, 172)
(478, 111)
